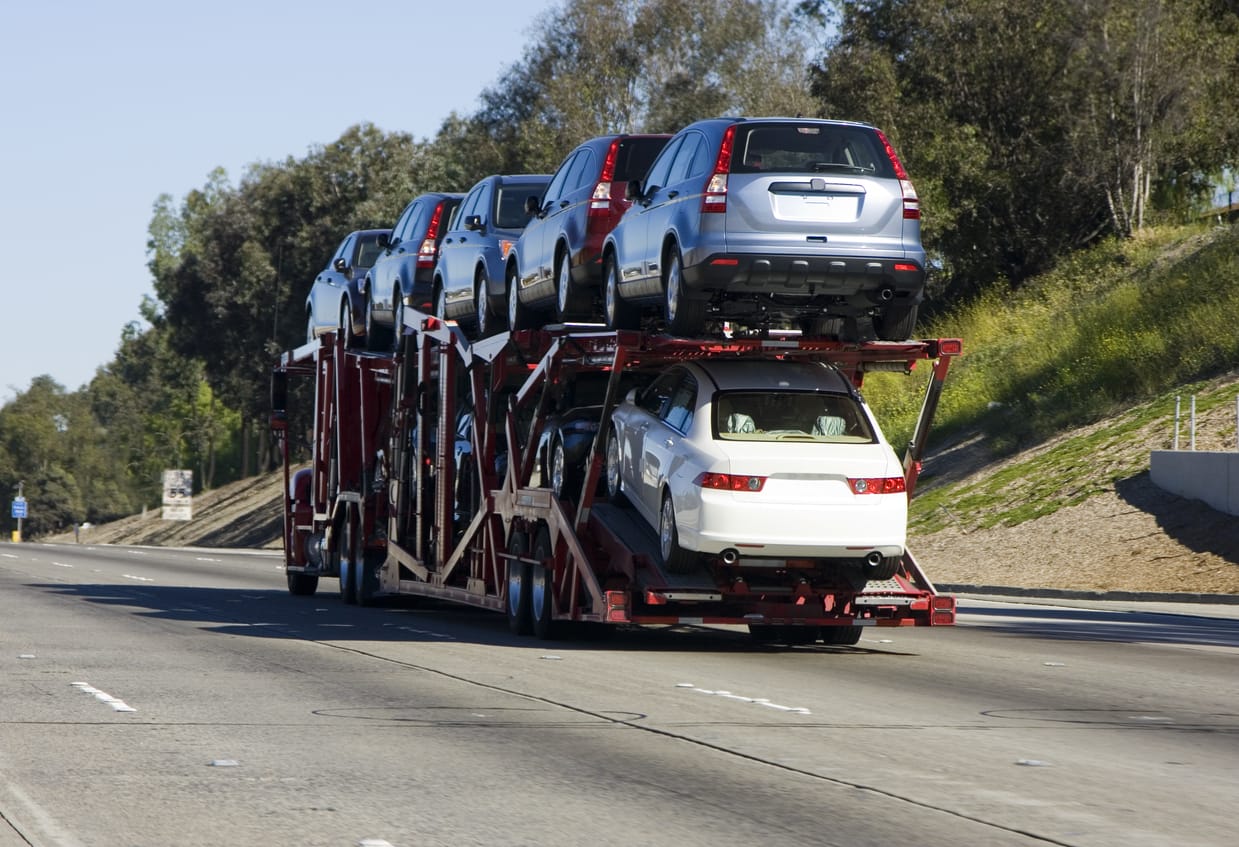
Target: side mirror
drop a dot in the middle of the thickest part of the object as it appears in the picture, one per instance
(385, 240)
(473, 222)
(533, 205)
(631, 397)
(340, 265)
(633, 190)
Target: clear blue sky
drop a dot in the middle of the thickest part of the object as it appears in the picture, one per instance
(107, 105)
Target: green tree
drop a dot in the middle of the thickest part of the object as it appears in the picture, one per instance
(1031, 129)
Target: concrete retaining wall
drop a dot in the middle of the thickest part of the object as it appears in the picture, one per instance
(1211, 477)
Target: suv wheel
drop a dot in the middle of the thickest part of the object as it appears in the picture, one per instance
(619, 313)
(518, 312)
(896, 323)
(684, 315)
(569, 299)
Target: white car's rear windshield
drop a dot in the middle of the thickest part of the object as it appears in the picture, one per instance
(790, 416)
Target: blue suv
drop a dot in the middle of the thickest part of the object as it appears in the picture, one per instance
(760, 220)
(468, 278)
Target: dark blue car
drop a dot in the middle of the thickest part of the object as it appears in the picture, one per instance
(468, 278)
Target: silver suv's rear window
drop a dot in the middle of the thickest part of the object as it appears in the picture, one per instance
(809, 148)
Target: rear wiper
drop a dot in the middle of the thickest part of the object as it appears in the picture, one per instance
(842, 167)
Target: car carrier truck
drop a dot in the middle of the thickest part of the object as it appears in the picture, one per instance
(424, 480)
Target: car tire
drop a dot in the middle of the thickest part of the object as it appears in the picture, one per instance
(517, 605)
(684, 315)
(309, 327)
(675, 557)
(569, 299)
(375, 333)
(439, 298)
(345, 326)
(615, 488)
(397, 321)
(565, 479)
(519, 316)
(617, 312)
(488, 323)
(889, 566)
(831, 329)
(542, 587)
(896, 323)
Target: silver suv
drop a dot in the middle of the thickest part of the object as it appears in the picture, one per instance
(761, 220)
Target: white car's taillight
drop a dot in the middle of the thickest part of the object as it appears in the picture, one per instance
(878, 485)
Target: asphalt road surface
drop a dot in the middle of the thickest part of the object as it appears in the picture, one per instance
(163, 697)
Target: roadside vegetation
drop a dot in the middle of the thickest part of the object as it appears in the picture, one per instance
(1056, 147)
(1103, 343)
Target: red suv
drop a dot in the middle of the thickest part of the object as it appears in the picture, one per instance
(557, 262)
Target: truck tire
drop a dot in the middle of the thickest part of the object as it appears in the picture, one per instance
(841, 636)
(302, 584)
(366, 576)
(517, 605)
(348, 559)
(542, 587)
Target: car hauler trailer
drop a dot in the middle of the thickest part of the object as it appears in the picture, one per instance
(424, 479)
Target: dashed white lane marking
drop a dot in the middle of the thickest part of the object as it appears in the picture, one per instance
(756, 701)
(373, 842)
(62, 564)
(116, 703)
(206, 559)
(9, 556)
(138, 578)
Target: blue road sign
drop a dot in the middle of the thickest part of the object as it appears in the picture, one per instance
(19, 507)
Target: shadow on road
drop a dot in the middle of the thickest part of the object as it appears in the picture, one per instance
(273, 613)
(1138, 627)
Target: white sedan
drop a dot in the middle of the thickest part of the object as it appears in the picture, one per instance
(752, 461)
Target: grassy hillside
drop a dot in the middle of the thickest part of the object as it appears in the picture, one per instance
(1104, 343)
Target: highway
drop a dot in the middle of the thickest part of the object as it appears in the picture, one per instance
(181, 697)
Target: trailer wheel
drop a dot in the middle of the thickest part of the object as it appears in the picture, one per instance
(542, 587)
(366, 577)
(841, 636)
(302, 584)
(348, 560)
(675, 557)
(518, 608)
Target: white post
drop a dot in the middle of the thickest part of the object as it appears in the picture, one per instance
(1193, 421)
(1178, 399)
